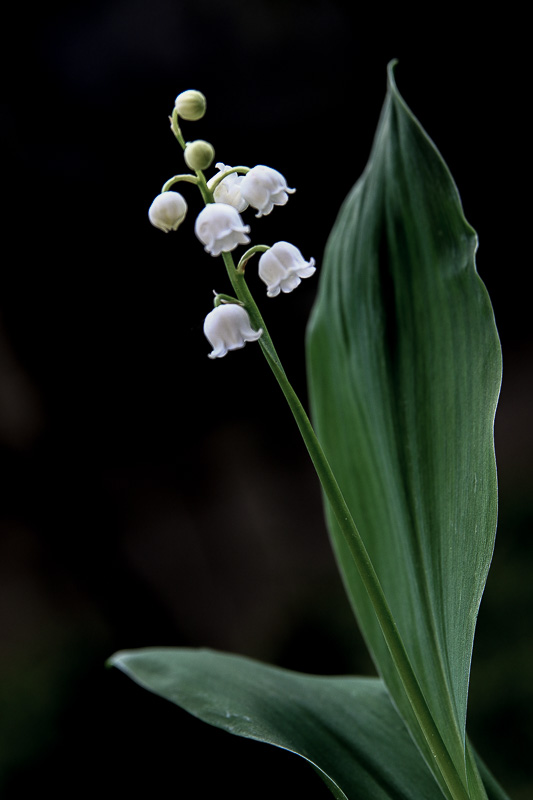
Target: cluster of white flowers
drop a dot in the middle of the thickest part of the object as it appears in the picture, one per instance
(220, 228)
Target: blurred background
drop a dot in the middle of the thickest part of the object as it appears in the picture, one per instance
(151, 496)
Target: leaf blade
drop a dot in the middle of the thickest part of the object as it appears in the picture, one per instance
(346, 728)
(404, 371)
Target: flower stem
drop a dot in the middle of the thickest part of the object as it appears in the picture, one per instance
(258, 248)
(214, 182)
(243, 294)
(185, 177)
(175, 127)
(455, 787)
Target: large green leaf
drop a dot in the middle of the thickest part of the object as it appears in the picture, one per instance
(404, 368)
(346, 727)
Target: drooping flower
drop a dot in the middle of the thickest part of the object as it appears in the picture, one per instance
(168, 211)
(227, 327)
(220, 228)
(263, 188)
(282, 268)
(229, 189)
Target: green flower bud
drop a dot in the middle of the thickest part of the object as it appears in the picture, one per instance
(199, 154)
(190, 105)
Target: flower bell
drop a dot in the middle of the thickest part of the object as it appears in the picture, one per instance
(282, 268)
(263, 188)
(229, 189)
(227, 327)
(220, 228)
(168, 211)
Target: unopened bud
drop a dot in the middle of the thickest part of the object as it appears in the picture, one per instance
(199, 154)
(190, 105)
(168, 211)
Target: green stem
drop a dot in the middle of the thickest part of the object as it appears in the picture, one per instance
(175, 127)
(243, 294)
(454, 786)
(199, 180)
(219, 178)
(370, 579)
(206, 193)
(187, 177)
(258, 248)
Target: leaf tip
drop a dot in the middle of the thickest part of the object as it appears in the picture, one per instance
(115, 660)
(391, 66)
(391, 77)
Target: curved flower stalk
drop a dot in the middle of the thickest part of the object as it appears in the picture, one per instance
(229, 189)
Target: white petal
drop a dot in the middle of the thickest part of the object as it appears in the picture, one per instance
(263, 188)
(227, 327)
(168, 211)
(220, 228)
(283, 267)
(290, 282)
(229, 191)
(306, 272)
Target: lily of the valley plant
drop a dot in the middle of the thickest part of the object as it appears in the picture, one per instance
(404, 371)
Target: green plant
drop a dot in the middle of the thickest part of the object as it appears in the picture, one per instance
(404, 367)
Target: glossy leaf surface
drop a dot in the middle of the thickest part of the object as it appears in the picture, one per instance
(404, 370)
(346, 728)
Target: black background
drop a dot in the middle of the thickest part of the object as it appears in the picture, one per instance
(153, 497)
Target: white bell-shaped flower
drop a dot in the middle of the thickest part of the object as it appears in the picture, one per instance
(229, 189)
(263, 188)
(282, 268)
(227, 327)
(167, 211)
(220, 228)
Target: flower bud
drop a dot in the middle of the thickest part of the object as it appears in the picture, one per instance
(227, 327)
(190, 105)
(168, 211)
(282, 268)
(220, 228)
(199, 154)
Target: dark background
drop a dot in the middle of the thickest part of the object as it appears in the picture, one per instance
(151, 496)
